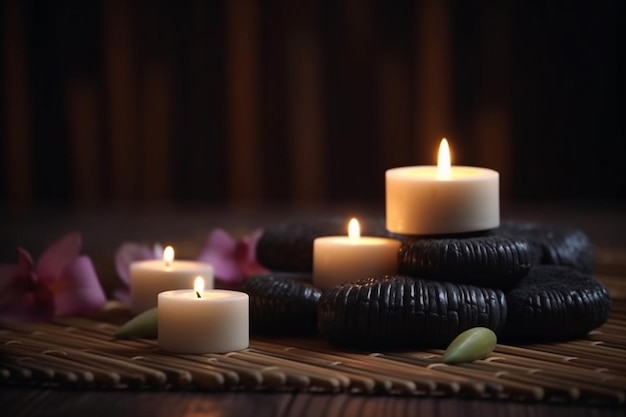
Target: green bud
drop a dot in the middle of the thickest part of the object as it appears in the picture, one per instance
(473, 344)
(145, 325)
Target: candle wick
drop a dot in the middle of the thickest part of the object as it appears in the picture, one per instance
(198, 294)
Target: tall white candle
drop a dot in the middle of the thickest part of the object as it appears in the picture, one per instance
(149, 278)
(442, 199)
(198, 321)
(339, 259)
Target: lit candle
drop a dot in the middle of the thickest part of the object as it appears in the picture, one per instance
(149, 278)
(339, 259)
(198, 321)
(442, 199)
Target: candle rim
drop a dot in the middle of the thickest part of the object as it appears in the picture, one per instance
(405, 172)
(224, 295)
(363, 240)
(175, 265)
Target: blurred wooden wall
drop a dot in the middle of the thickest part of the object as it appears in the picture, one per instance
(242, 101)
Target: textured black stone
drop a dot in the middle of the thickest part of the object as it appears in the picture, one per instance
(490, 261)
(552, 245)
(282, 304)
(556, 302)
(399, 311)
(289, 246)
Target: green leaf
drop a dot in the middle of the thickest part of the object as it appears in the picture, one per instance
(473, 344)
(145, 325)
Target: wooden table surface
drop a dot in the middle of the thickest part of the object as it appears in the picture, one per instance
(103, 230)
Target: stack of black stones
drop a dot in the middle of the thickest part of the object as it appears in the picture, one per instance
(525, 281)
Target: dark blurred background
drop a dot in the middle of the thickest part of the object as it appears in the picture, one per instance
(245, 102)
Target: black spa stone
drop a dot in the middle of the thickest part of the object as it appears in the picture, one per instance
(552, 245)
(289, 246)
(282, 304)
(490, 261)
(554, 303)
(399, 311)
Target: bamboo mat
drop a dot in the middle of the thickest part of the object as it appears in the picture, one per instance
(81, 353)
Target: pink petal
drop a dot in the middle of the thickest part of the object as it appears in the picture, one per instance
(219, 251)
(57, 257)
(19, 299)
(123, 295)
(157, 251)
(226, 269)
(254, 268)
(218, 241)
(246, 254)
(128, 253)
(78, 290)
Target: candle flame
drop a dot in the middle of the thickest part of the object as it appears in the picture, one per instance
(354, 229)
(168, 255)
(198, 286)
(443, 162)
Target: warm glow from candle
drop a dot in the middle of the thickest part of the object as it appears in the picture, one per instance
(198, 286)
(168, 255)
(354, 229)
(443, 162)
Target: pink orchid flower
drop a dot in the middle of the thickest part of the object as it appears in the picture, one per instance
(61, 282)
(126, 254)
(232, 260)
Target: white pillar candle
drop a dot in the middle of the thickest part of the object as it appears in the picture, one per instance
(215, 322)
(339, 259)
(149, 278)
(442, 199)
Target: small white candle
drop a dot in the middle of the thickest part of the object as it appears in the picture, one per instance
(149, 278)
(198, 321)
(442, 199)
(339, 259)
